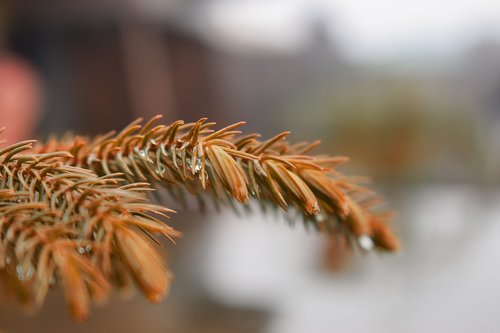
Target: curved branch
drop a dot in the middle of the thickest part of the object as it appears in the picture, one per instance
(238, 167)
(64, 225)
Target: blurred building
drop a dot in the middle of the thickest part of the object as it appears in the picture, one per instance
(100, 59)
(103, 63)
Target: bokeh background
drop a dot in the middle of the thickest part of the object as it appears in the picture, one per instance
(410, 90)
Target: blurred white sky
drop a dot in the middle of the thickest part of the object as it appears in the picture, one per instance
(366, 30)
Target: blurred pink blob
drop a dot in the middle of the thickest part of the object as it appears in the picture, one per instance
(20, 98)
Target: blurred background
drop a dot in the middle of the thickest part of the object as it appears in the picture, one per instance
(409, 90)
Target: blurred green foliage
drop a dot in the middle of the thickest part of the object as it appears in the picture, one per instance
(396, 130)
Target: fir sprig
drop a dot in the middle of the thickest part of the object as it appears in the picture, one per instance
(61, 224)
(232, 166)
(74, 211)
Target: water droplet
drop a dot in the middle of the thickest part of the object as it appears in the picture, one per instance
(197, 167)
(19, 270)
(88, 248)
(160, 169)
(260, 170)
(142, 153)
(81, 250)
(24, 273)
(319, 218)
(365, 242)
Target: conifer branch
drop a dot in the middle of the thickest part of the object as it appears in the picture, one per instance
(63, 225)
(74, 211)
(232, 166)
